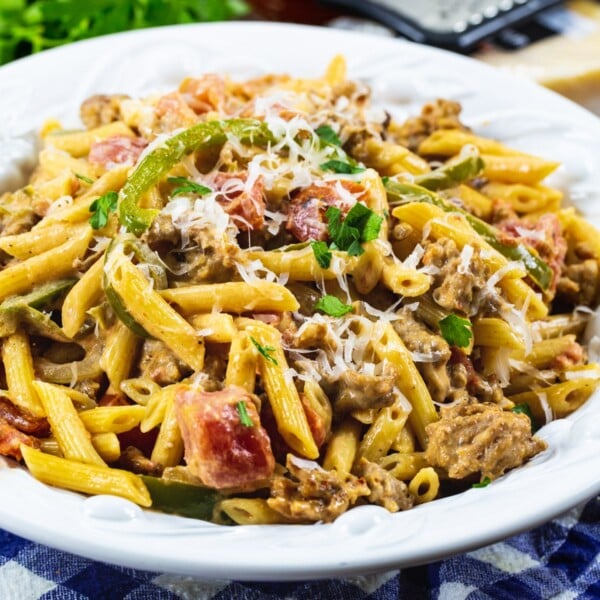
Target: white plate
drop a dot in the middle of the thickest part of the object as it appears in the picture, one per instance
(403, 76)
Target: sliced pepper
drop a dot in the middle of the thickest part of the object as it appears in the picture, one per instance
(155, 165)
(538, 270)
(184, 499)
(23, 310)
(156, 270)
(453, 173)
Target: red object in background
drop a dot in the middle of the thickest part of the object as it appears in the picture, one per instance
(306, 11)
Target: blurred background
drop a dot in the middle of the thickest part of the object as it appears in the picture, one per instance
(554, 43)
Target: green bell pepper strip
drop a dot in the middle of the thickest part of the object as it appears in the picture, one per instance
(143, 254)
(184, 499)
(23, 310)
(155, 165)
(537, 269)
(451, 174)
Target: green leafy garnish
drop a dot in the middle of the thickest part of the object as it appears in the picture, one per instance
(28, 26)
(101, 207)
(339, 166)
(328, 135)
(322, 254)
(524, 409)
(187, 186)
(360, 225)
(84, 178)
(483, 483)
(456, 330)
(265, 351)
(245, 419)
(332, 306)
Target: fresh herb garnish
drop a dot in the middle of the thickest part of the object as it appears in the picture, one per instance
(360, 225)
(101, 207)
(524, 409)
(265, 351)
(483, 483)
(456, 330)
(187, 186)
(339, 166)
(328, 135)
(332, 306)
(245, 419)
(322, 254)
(84, 178)
(34, 25)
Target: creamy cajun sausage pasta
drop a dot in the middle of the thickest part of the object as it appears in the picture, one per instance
(266, 302)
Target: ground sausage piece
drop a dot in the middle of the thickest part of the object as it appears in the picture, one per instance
(313, 494)
(580, 282)
(480, 438)
(386, 490)
(357, 391)
(133, 459)
(460, 276)
(219, 449)
(118, 150)
(204, 94)
(306, 213)
(101, 110)
(441, 114)
(11, 440)
(160, 364)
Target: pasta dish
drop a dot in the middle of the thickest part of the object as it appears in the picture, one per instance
(267, 301)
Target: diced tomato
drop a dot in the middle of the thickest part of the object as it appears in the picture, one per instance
(306, 214)
(246, 206)
(219, 449)
(116, 151)
(11, 440)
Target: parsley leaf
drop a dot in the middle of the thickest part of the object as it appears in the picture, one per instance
(187, 186)
(245, 419)
(360, 225)
(333, 306)
(84, 178)
(328, 135)
(339, 166)
(523, 408)
(102, 207)
(483, 483)
(322, 254)
(456, 330)
(265, 351)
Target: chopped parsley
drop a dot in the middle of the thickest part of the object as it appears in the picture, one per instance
(339, 166)
(456, 330)
(360, 225)
(328, 135)
(483, 483)
(322, 254)
(245, 419)
(187, 186)
(265, 351)
(84, 178)
(332, 306)
(523, 408)
(101, 207)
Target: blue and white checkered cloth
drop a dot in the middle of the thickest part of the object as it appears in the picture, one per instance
(558, 561)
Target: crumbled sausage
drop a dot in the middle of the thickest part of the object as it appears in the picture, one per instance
(358, 391)
(160, 364)
(458, 281)
(441, 114)
(386, 490)
(480, 438)
(132, 459)
(101, 110)
(310, 495)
